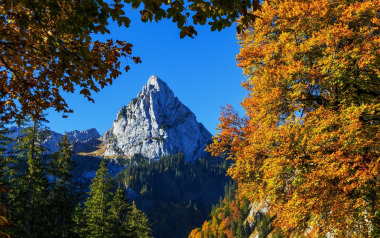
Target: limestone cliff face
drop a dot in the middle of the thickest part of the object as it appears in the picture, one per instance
(156, 123)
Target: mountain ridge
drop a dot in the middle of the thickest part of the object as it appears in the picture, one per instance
(82, 140)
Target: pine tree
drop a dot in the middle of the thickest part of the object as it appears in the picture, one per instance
(4, 140)
(98, 204)
(78, 227)
(264, 226)
(241, 232)
(119, 216)
(139, 223)
(27, 199)
(61, 195)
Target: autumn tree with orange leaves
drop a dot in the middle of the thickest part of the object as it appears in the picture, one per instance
(309, 142)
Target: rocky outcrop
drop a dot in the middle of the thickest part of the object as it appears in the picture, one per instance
(156, 123)
(82, 135)
(82, 141)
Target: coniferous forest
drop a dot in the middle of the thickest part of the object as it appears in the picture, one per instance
(41, 199)
(176, 195)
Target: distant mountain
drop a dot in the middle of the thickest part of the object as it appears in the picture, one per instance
(83, 141)
(156, 123)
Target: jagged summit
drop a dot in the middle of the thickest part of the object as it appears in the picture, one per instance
(155, 83)
(156, 123)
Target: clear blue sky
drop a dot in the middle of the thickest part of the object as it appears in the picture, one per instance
(202, 73)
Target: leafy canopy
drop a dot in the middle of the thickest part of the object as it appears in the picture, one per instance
(48, 47)
(219, 14)
(309, 141)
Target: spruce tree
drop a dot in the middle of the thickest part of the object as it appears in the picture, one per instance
(119, 216)
(61, 195)
(241, 232)
(78, 227)
(98, 204)
(107, 214)
(27, 176)
(139, 223)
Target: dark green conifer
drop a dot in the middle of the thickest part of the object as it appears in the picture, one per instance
(28, 201)
(62, 192)
(98, 204)
(139, 223)
(78, 227)
(241, 232)
(119, 216)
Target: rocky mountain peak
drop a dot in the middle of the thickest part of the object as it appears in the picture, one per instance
(156, 123)
(155, 84)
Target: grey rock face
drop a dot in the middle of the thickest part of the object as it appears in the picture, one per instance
(156, 123)
(81, 140)
(82, 135)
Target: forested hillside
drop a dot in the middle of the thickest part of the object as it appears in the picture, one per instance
(235, 216)
(176, 195)
(227, 217)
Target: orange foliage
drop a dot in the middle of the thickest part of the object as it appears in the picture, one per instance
(226, 219)
(309, 143)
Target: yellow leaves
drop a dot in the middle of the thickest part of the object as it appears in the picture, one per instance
(310, 140)
(195, 234)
